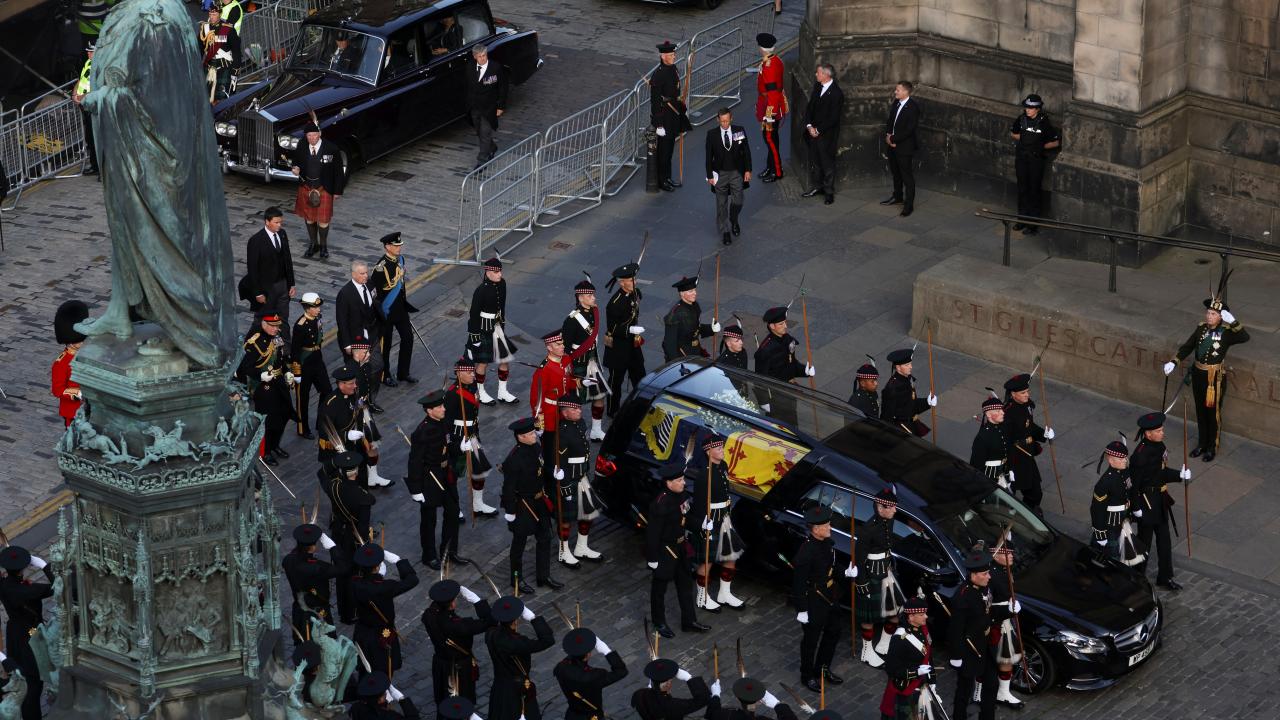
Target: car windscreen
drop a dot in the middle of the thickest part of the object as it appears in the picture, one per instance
(339, 51)
(767, 398)
(981, 520)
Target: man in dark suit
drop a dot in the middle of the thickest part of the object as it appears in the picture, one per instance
(271, 268)
(486, 100)
(900, 141)
(728, 171)
(822, 131)
(358, 315)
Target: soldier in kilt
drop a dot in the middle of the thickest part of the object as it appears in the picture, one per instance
(1025, 439)
(567, 471)
(909, 665)
(1009, 645)
(321, 179)
(487, 340)
(716, 529)
(581, 330)
(879, 596)
(865, 395)
(466, 456)
(1110, 510)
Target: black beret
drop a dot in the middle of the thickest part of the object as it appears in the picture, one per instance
(15, 558)
(307, 534)
(369, 555)
(343, 373)
(1151, 421)
(672, 470)
(666, 46)
(685, 283)
(507, 608)
(901, 357)
(432, 399)
(522, 426)
(817, 515)
(748, 690)
(444, 591)
(775, 314)
(623, 272)
(579, 642)
(977, 561)
(1018, 383)
(661, 670)
(373, 684)
(346, 460)
(492, 263)
(456, 707)
(868, 372)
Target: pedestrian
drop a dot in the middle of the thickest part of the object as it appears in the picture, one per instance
(1009, 647)
(307, 353)
(265, 370)
(311, 579)
(771, 105)
(569, 452)
(718, 542)
(732, 349)
(655, 702)
(1209, 343)
(898, 402)
(90, 14)
(553, 378)
(454, 669)
(880, 598)
(513, 694)
(583, 685)
(486, 90)
(683, 328)
(432, 484)
(487, 340)
(666, 112)
(23, 603)
(61, 386)
(909, 664)
(221, 45)
(375, 595)
(623, 339)
(321, 176)
(728, 165)
(82, 88)
(665, 538)
(374, 695)
(270, 279)
(1110, 512)
(901, 145)
(350, 518)
(989, 453)
(390, 283)
(816, 597)
(1033, 135)
(776, 358)
(580, 332)
(969, 644)
(750, 694)
(822, 132)
(342, 423)
(525, 508)
(1151, 495)
(1025, 438)
(466, 456)
(866, 385)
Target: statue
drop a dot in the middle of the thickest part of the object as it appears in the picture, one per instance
(167, 445)
(111, 626)
(82, 434)
(15, 691)
(171, 259)
(316, 692)
(46, 641)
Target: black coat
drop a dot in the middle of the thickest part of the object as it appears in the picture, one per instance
(452, 636)
(737, 156)
(354, 317)
(900, 406)
(620, 314)
(583, 686)
(989, 445)
(429, 461)
(330, 175)
(664, 99)
(733, 359)
(385, 276)
(375, 630)
(782, 710)
(683, 331)
(813, 578)
(1150, 476)
(968, 633)
(867, 401)
(307, 339)
(23, 603)
(823, 111)
(523, 494)
(1112, 489)
(488, 94)
(309, 578)
(266, 265)
(776, 358)
(653, 704)
(903, 132)
(352, 511)
(513, 692)
(903, 658)
(664, 537)
(875, 537)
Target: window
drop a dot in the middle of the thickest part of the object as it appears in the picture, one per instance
(984, 519)
(402, 53)
(449, 33)
(474, 20)
(339, 51)
(769, 399)
(913, 540)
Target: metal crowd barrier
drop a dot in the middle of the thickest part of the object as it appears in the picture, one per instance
(498, 198)
(572, 162)
(266, 39)
(42, 140)
(718, 58)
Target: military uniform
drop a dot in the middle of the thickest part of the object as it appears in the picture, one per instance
(350, 519)
(728, 357)
(879, 597)
(1110, 510)
(867, 401)
(23, 604)
(909, 649)
(551, 380)
(666, 549)
(221, 45)
(338, 418)
(432, 484)
(568, 450)
(60, 384)
(666, 111)
(720, 544)
(815, 594)
(989, 453)
(389, 279)
(265, 368)
(1151, 495)
(452, 636)
(654, 703)
(372, 703)
(487, 340)
(682, 327)
(583, 685)
(528, 510)
(1209, 375)
(771, 106)
(513, 694)
(462, 414)
(375, 595)
(776, 358)
(748, 692)
(309, 579)
(623, 355)
(969, 643)
(1025, 438)
(307, 342)
(1030, 137)
(580, 332)
(898, 402)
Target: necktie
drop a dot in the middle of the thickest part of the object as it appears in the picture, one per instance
(480, 73)
(313, 150)
(364, 293)
(726, 139)
(275, 240)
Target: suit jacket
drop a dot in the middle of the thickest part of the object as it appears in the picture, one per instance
(487, 94)
(904, 131)
(823, 111)
(738, 153)
(266, 266)
(331, 176)
(354, 317)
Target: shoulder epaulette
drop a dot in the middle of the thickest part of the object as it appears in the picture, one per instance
(252, 339)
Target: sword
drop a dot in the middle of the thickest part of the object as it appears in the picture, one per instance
(799, 291)
(424, 344)
(563, 616)
(277, 477)
(644, 244)
(492, 584)
(1181, 384)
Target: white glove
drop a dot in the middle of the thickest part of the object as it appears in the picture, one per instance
(1185, 473)
(527, 614)
(391, 557)
(223, 55)
(558, 473)
(1016, 607)
(327, 542)
(924, 669)
(477, 717)
(1102, 542)
(1168, 367)
(382, 568)
(715, 688)
(636, 330)
(707, 524)
(38, 563)
(1137, 513)
(395, 694)
(418, 498)
(468, 595)
(769, 700)
(683, 675)
(765, 407)
(661, 132)
(652, 565)
(808, 370)
(265, 376)
(1228, 318)
(955, 663)
(4, 657)
(601, 647)
(803, 618)
(1049, 434)
(933, 400)
(354, 435)
(851, 571)
(466, 445)
(715, 325)
(509, 518)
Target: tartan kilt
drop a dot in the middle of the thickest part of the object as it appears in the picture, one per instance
(589, 506)
(867, 608)
(1008, 651)
(303, 209)
(600, 389)
(726, 543)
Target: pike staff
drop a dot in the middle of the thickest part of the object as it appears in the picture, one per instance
(1053, 455)
(1186, 492)
(933, 409)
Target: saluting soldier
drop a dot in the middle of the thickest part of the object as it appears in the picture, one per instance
(1025, 438)
(513, 694)
(456, 707)
(716, 530)
(969, 639)
(1151, 494)
(432, 485)
(526, 507)
(1209, 342)
(733, 351)
(308, 361)
(375, 597)
(666, 538)
(879, 596)
(462, 413)
(898, 402)
(568, 473)
(1110, 510)
(771, 105)
(583, 686)
(453, 664)
(487, 341)
(750, 693)
(989, 453)
(776, 357)
(374, 695)
(1008, 644)
(815, 594)
(350, 518)
(865, 395)
(622, 340)
(265, 367)
(655, 702)
(23, 603)
(666, 111)
(1033, 135)
(389, 279)
(909, 663)
(61, 385)
(683, 328)
(310, 577)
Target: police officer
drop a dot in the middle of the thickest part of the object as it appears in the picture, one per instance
(374, 695)
(22, 602)
(309, 577)
(487, 341)
(733, 350)
(655, 702)
(308, 361)
(776, 357)
(623, 355)
(898, 402)
(771, 105)
(82, 88)
(969, 639)
(866, 387)
(879, 596)
(1033, 134)
(665, 538)
(682, 326)
(568, 473)
(989, 453)
(750, 694)
(375, 597)
(581, 331)
(1110, 510)
(1151, 494)
(717, 542)
(513, 694)
(266, 369)
(815, 594)
(466, 456)
(350, 518)
(389, 280)
(1209, 342)
(583, 686)
(454, 665)
(909, 663)
(666, 111)
(432, 485)
(1024, 437)
(524, 506)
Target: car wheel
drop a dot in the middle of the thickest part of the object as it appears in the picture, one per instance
(1041, 672)
(709, 4)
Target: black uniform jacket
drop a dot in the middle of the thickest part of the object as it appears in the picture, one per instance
(813, 579)
(989, 445)
(776, 358)
(583, 685)
(682, 331)
(664, 98)
(327, 166)
(622, 312)
(900, 406)
(972, 616)
(523, 494)
(866, 401)
(453, 635)
(309, 576)
(664, 537)
(429, 461)
(1150, 476)
(653, 704)
(512, 656)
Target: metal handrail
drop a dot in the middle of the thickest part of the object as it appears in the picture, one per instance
(1114, 236)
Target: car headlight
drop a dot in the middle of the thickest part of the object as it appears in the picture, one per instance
(225, 129)
(1081, 643)
(287, 142)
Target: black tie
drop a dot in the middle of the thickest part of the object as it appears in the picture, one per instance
(364, 293)
(726, 139)
(275, 240)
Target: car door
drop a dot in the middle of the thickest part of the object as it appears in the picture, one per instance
(922, 564)
(400, 95)
(451, 60)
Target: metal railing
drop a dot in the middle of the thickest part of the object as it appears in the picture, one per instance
(719, 56)
(42, 140)
(1115, 237)
(572, 161)
(498, 198)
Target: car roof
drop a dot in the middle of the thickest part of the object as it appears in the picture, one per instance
(380, 17)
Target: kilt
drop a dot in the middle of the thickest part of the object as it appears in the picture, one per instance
(589, 506)
(303, 209)
(726, 543)
(494, 347)
(1008, 649)
(867, 608)
(597, 390)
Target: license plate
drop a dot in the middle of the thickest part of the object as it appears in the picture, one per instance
(1141, 655)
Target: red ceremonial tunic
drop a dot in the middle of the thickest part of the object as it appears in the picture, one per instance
(551, 381)
(64, 388)
(769, 89)
(889, 701)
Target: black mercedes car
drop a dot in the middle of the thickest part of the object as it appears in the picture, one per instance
(378, 74)
(1087, 619)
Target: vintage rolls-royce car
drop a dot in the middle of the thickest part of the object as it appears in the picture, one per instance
(378, 74)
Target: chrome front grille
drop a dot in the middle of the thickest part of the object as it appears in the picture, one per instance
(255, 140)
(1139, 635)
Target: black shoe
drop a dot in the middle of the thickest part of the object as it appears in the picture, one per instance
(1031, 230)
(726, 239)
(311, 250)
(389, 381)
(766, 174)
(433, 563)
(458, 559)
(1208, 456)
(324, 253)
(675, 183)
(830, 199)
(375, 408)
(91, 170)
(281, 453)
(769, 178)
(1196, 452)
(1170, 584)
(665, 185)
(1019, 226)
(270, 459)
(891, 201)
(906, 211)
(663, 630)
(551, 583)
(737, 229)
(695, 626)
(307, 434)
(525, 589)
(408, 379)
(812, 684)
(832, 678)
(812, 192)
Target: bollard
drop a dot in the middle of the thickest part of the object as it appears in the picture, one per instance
(650, 160)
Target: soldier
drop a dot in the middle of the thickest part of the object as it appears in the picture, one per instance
(462, 413)
(1033, 134)
(1024, 437)
(750, 693)
(221, 45)
(265, 368)
(457, 707)
(989, 453)
(553, 378)
(583, 686)
(309, 577)
(367, 372)
(341, 422)
(666, 112)
(622, 340)
(432, 485)
(22, 600)
(815, 594)
(879, 596)
(1110, 510)
(682, 327)
(525, 507)
(61, 385)
(367, 391)
(568, 472)
(656, 703)
(866, 384)
(711, 509)
(908, 663)
(898, 402)
(771, 105)
(665, 538)
(1008, 645)
(969, 641)
(1209, 342)
(374, 695)
(732, 349)
(453, 665)
(308, 361)
(513, 694)
(375, 596)
(776, 358)
(580, 330)
(1151, 494)
(350, 518)
(486, 332)
(389, 281)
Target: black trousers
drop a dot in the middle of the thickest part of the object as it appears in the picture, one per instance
(772, 158)
(1026, 478)
(484, 136)
(904, 177)
(1207, 418)
(449, 526)
(666, 146)
(90, 148)
(632, 368)
(822, 162)
(278, 303)
(1164, 544)
(964, 688)
(1030, 170)
(399, 321)
(314, 375)
(342, 535)
(818, 640)
(683, 578)
(542, 549)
